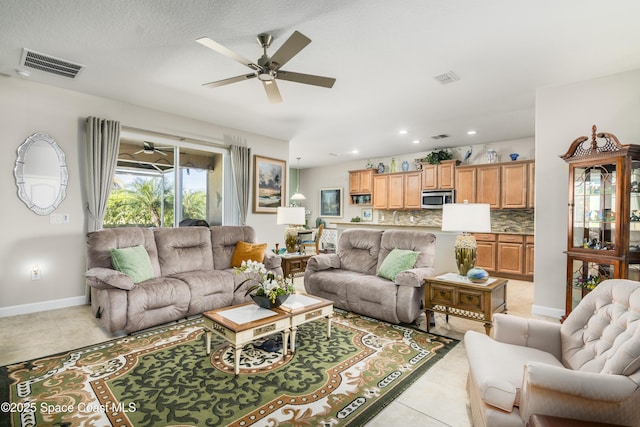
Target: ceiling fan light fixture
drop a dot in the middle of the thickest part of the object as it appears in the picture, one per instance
(267, 77)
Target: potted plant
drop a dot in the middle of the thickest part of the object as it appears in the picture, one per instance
(437, 156)
(271, 289)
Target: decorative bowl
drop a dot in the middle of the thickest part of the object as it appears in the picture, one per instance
(477, 275)
(265, 302)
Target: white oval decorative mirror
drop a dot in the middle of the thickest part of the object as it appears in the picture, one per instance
(41, 173)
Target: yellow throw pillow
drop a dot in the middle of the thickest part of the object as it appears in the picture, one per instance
(248, 252)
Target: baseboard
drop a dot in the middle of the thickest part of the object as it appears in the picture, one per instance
(547, 311)
(35, 307)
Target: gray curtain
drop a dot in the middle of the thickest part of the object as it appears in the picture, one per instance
(241, 167)
(103, 140)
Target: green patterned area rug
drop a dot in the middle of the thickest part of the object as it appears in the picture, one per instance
(164, 377)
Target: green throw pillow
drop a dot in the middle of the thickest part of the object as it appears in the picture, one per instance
(134, 262)
(398, 260)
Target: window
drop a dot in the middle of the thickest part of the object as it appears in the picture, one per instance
(149, 190)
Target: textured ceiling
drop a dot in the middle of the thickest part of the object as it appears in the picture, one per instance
(383, 54)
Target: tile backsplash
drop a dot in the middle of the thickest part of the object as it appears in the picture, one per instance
(502, 220)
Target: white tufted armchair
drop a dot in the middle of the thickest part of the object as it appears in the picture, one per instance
(588, 368)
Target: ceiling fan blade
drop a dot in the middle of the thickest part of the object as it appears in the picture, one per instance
(230, 80)
(308, 79)
(206, 41)
(273, 93)
(290, 48)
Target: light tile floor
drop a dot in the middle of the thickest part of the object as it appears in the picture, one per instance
(438, 398)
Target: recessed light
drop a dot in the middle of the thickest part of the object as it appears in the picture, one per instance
(472, 132)
(416, 141)
(403, 132)
(354, 151)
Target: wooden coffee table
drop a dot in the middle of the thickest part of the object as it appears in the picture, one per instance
(457, 296)
(305, 308)
(240, 324)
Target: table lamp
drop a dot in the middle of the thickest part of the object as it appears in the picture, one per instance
(466, 218)
(293, 217)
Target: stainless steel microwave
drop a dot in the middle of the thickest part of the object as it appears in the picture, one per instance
(434, 199)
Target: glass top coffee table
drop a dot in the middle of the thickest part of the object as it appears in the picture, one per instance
(243, 323)
(305, 308)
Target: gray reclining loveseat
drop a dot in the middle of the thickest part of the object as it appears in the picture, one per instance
(350, 277)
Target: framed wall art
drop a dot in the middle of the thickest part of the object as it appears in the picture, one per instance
(367, 214)
(331, 202)
(269, 186)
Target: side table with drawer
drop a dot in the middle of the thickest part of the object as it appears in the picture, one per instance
(455, 295)
(294, 264)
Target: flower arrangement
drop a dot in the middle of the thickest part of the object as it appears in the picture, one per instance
(269, 285)
(589, 282)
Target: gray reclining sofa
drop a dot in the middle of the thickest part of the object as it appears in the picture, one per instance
(191, 274)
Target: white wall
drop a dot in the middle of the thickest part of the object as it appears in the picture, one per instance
(564, 113)
(27, 238)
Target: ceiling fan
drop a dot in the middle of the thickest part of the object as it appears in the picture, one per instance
(150, 148)
(267, 69)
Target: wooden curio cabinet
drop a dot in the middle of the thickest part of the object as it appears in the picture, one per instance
(604, 213)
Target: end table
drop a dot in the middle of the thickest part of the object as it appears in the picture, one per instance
(293, 264)
(455, 295)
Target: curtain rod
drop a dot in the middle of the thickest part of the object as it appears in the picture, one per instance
(220, 144)
(176, 137)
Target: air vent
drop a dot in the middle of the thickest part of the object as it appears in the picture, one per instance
(441, 136)
(49, 64)
(449, 77)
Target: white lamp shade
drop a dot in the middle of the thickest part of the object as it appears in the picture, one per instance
(466, 217)
(298, 196)
(290, 215)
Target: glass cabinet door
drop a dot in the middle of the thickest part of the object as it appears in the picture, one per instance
(594, 216)
(586, 275)
(634, 202)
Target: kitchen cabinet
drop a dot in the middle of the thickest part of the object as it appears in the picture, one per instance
(604, 213)
(395, 188)
(528, 255)
(400, 190)
(531, 179)
(380, 190)
(465, 179)
(429, 176)
(488, 186)
(412, 190)
(505, 255)
(440, 176)
(510, 254)
(486, 251)
(361, 186)
(501, 185)
(513, 177)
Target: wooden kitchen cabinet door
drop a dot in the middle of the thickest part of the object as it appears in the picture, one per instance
(465, 184)
(514, 185)
(488, 188)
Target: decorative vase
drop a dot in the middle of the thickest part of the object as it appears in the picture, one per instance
(380, 167)
(265, 302)
(405, 166)
(477, 275)
(514, 156)
(393, 164)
